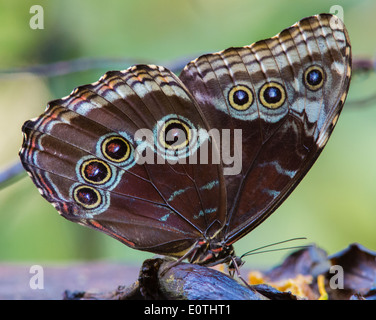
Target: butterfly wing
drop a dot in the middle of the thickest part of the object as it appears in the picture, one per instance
(102, 156)
(285, 95)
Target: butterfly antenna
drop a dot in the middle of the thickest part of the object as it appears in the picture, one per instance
(257, 250)
(279, 249)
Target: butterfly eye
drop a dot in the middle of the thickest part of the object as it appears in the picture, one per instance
(95, 171)
(116, 149)
(314, 78)
(175, 134)
(87, 197)
(272, 95)
(240, 97)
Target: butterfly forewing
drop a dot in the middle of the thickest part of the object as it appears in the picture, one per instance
(295, 85)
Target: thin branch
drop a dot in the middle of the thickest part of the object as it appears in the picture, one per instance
(363, 65)
(60, 68)
(11, 174)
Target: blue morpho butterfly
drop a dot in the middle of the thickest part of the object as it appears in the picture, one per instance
(86, 153)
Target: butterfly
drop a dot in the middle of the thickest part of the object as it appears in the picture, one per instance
(186, 166)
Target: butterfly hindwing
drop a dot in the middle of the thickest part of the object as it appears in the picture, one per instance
(83, 155)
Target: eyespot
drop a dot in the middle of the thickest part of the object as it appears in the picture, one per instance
(87, 197)
(116, 149)
(272, 95)
(176, 137)
(314, 78)
(95, 171)
(240, 97)
(175, 134)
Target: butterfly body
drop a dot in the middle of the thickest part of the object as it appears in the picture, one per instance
(186, 166)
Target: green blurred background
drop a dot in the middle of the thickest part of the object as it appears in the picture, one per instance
(334, 205)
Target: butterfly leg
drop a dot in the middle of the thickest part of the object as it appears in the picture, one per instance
(189, 252)
(234, 267)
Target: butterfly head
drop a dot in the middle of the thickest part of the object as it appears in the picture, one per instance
(211, 253)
